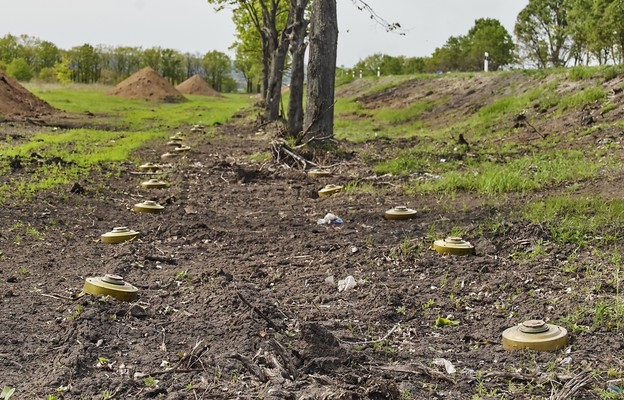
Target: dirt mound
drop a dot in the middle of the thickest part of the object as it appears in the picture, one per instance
(197, 85)
(147, 84)
(15, 100)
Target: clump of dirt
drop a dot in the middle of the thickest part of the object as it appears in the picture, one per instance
(197, 85)
(147, 84)
(15, 100)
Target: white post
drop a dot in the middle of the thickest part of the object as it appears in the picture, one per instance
(378, 72)
(360, 74)
(486, 62)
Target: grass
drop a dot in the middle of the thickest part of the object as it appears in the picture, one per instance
(578, 220)
(141, 115)
(523, 174)
(78, 152)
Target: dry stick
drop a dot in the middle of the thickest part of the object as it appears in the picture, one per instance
(260, 313)
(372, 341)
(418, 369)
(279, 349)
(251, 367)
(307, 130)
(572, 386)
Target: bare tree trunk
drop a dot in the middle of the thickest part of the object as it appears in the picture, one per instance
(319, 116)
(297, 51)
(276, 75)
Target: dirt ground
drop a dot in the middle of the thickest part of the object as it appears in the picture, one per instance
(235, 296)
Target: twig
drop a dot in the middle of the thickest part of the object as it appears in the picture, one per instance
(251, 367)
(260, 313)
(314, 120)
(372, 341)
(279, 349)
(53, 296)
(416, 368)
(572, 386)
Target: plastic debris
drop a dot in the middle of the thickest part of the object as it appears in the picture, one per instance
(330, 280)
(346, 283)
(329, 219)
(442, 362)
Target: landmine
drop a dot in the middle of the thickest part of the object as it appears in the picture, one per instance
(148, 206)
(110, 285)
(329, 190)
(150, 167)
(154, 184)
(454, 245)
(400, 212)
(535, 335)
(118, 235)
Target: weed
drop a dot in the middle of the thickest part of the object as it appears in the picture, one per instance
(150, 381)
(7, 392)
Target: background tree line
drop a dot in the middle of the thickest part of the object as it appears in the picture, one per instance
(25, 57)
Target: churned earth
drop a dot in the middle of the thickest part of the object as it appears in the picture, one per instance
(239, 292)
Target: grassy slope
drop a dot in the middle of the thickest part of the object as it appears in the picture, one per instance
(528, 132)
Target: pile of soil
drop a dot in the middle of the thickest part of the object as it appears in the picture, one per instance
(197, 85)
(147, 84)
(15, 100)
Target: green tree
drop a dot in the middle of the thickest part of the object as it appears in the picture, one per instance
(152, 58)
(84, 63)
(488, 35)
(9, 48)
(47, 54)
(385, 64)
(414, 65)
(543, 34)
(217, 66)
(20, 70)
(172, 65)
(451, 56)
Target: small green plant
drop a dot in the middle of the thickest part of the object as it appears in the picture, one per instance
(441, 322)
(150, 381)
(7, 392)
(23, 270)
(401, 310)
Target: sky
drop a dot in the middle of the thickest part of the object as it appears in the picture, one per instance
(193, 25)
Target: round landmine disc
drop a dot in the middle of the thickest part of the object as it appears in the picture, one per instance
(535, 335)
(318, 173)
(174, 143)
(182, 148)
(178, 137)
(329, 190)
(400, 212)
(168, 155)
(149, 167)
(148, 206)
(453, 245)
(118, 235)
(154, 184)
(110, 285)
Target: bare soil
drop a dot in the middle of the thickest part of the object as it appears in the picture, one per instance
(17, 101)
(235, 300)
(147, 84)
(197, 85)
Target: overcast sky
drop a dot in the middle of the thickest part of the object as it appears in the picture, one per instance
(193, 25)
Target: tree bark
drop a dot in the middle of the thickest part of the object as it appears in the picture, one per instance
(319, 116)
(297, 51)
(278, 49)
